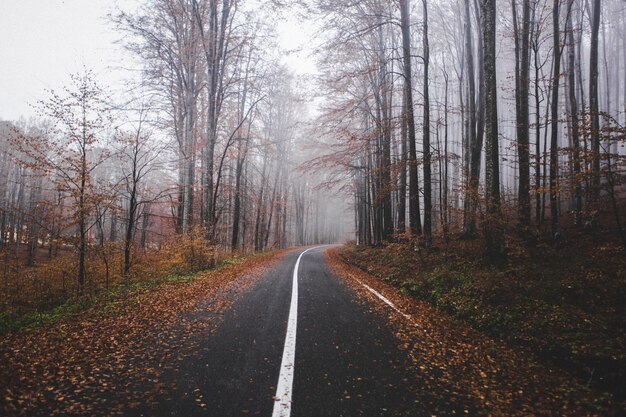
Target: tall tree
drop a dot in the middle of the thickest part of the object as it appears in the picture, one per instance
(522, 69)
(474, 125)
(215, 23)
(493, 228)
(414, 205)
(554, 126)
(575, 136)
(428, 205)
(166, 35)
(383, 95)
(401, 207)
(593, 97)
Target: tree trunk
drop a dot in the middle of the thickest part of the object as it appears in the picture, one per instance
(593, 98)
(82, 227)
(522, 118)
(493, 228)
(473, 141)
(130, 224)
(573, 103)
(428, 206)
(414, 206)
(402, 177)
(444, 206)
(554, 162)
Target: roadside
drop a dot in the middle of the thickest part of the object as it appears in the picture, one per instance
(458, 362)
(121, 345)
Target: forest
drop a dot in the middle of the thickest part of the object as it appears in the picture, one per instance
(198, 159)
(476, 118)
(469, 122)
(465, 151)
(483, 146)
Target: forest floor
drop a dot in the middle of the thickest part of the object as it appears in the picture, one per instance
(46, 292)
(562, 304)
(76, 358)
(211, 343)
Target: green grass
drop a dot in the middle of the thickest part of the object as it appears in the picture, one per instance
(13, 321)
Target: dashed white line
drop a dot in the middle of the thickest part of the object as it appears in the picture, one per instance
(282, 399)
(385, 300)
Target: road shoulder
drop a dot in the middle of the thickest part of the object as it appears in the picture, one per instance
(458, 363)
(108, 360)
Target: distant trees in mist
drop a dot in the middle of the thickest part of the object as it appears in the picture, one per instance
(491, 118)
(437, 119)
(201, 157)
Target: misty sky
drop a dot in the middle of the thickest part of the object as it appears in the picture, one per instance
(43, 41)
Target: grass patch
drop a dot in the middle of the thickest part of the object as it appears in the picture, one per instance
(14, 321)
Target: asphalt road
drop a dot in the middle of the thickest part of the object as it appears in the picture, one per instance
(346, 361)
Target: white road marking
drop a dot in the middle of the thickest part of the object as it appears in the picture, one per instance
(282, 404)
(385, 300)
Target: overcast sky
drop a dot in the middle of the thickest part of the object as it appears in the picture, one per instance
(43, 41)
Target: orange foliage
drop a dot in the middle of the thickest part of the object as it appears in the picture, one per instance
(53, 281)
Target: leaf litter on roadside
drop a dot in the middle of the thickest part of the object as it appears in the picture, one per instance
(108, 360)
(458, 368)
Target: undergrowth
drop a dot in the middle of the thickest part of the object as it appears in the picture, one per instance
(565, 302)
(104, 299)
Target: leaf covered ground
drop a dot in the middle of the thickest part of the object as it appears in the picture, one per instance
(81, 363)
(483, 333)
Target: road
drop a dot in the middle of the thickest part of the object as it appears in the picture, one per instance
(338, 357)
(278, 336)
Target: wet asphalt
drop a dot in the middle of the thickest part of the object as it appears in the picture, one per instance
(347, 360)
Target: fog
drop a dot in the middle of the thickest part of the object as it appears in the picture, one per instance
(290, 123)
